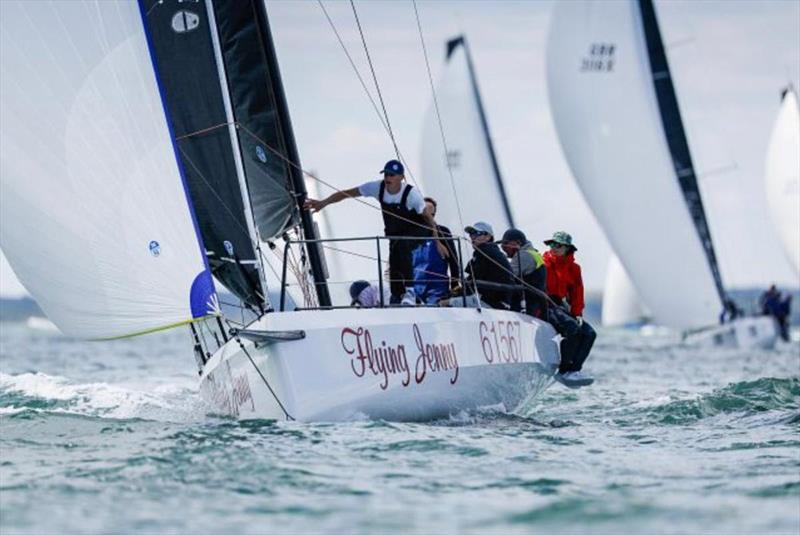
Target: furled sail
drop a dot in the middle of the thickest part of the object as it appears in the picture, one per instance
(621, 303)
(783, 176)
(470, 153)
(94, 216)
(617, 118)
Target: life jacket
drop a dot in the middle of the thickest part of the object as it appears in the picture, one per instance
(399, 219)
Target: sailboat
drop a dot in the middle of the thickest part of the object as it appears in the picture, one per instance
(470, 162)
(148, 155)
(622, 306)
(782, 172)
(619, 124)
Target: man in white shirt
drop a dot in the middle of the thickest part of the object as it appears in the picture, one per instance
(404, 215)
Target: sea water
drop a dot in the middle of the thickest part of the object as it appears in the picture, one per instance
(113, 437)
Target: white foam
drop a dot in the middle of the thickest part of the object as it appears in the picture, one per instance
(162, 402)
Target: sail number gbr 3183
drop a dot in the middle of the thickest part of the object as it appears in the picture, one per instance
(501, 341)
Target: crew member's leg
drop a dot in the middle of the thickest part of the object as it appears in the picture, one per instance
(585, 340)
(567, 327)
(399, 269)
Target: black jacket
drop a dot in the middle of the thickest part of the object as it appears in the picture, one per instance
(491, 265)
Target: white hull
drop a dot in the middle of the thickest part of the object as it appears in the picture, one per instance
(394, 364)
(743, 333)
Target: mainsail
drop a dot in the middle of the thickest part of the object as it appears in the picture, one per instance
(95, 219)
(783, 176)
(617, 117)
(621, 303)
(470, 154)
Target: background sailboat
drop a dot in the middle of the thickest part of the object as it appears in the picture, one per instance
(618, 120)
(782, 176)
(621, 303)
(470, 157)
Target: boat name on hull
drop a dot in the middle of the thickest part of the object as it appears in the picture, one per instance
(385, 360)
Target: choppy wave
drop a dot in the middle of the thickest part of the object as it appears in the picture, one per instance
(745, 398)
(31, 393)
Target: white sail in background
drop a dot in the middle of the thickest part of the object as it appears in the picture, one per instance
(783, 176)
(470, 154)
(94, 217)
(606, 114)
(621, 303)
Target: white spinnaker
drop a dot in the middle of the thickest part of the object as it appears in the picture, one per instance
(468, 153)
(783, 177)
(611, 133)
(94, 217)
(621, 303)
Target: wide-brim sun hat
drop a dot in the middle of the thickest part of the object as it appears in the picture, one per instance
(561, 238)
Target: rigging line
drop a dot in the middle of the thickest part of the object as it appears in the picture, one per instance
(439, 121)
(366, 90)
(264, 379)
(327, 184)
(334, 188)
(374, 76)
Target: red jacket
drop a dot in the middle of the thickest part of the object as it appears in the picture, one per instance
(564, 280)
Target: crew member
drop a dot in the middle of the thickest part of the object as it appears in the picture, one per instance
(404, 215)
(565, 287)
(528, 266)
(488, 267)
(431, 282)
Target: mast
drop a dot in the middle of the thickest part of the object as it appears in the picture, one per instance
(676, 136)
(296, 171)
(452, 44)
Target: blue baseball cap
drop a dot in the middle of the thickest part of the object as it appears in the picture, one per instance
(481, 227)
(393, 167)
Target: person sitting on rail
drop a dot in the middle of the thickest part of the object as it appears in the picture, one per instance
(488, 269)
(404, 215)
(528, 268)
(565, 287)
(431, 282)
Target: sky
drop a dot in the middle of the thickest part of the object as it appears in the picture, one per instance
(729, 60)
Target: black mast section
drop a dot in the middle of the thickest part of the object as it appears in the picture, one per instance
(452, 44)
(676, 136)
(296, 171)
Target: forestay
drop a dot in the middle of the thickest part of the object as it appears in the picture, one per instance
(470, 153)
(614, 132)
(621, 303)
(783, 176)
(95, 219)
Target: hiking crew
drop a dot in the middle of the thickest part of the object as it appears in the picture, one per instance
(565, 287)
(404, 215)
(527, 264)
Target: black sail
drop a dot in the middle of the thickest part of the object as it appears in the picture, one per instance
(269, 152)
(676, 136)
(180, 41)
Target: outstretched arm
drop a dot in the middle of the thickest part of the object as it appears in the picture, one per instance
(316, 206)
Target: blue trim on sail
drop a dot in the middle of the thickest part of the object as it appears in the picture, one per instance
(200, 243)
(201, 296)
